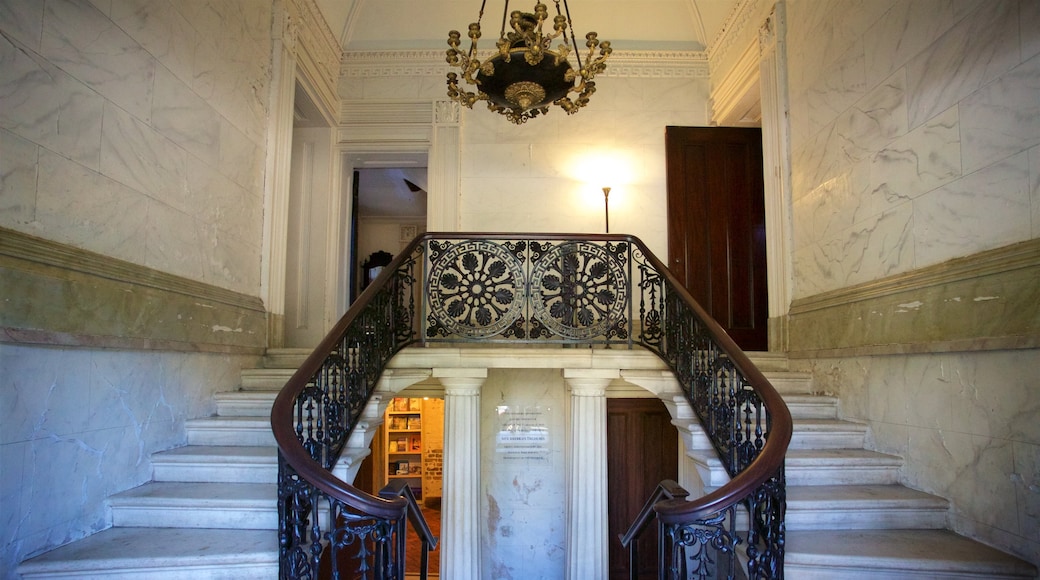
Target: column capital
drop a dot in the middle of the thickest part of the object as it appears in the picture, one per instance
(461, 381)
(589, 382)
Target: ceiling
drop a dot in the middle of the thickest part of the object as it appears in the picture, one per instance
(364, 25)
(424, 24)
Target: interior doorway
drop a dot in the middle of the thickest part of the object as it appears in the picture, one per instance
(642, 450)
(717, 226)
(389, 209)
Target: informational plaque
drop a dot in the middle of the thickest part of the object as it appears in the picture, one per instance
(523, 432)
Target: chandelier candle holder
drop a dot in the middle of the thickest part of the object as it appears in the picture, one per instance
(526, 74)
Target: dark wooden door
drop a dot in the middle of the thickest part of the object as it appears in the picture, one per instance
(716, 225)
(642, 450)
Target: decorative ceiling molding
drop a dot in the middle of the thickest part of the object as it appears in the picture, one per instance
(317, 51)
(623, 63)
(730, 33)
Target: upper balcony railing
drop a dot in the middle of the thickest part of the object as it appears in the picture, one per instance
(524, 289)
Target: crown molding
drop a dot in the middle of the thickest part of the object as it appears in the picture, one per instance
(622, 63)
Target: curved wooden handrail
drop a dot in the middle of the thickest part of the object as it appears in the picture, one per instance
(282, 410)
(766, 465)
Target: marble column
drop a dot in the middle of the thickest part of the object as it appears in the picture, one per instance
(460, 504)
(587, 473)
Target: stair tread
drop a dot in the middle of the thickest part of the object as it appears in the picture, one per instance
(150, 548)
(804, 456)
(859, 496)
(198, 494)
(919, 550)
(230, 422)
(828, 425)
(218, 454)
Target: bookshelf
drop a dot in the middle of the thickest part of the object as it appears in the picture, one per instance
(404, 455)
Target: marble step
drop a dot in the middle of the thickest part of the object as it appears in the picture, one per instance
(896, 555)
(229, 463)
(249, 431)
(812, 406)
(854, 507)
(790, 382)
(841, 467)
(285, 358)
(245, 403)
(266, 379)
(243, 506)
(769, 361)
(161, 554)
(827, 434)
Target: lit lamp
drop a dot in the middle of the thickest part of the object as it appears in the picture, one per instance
(527, 74)
(606, 206)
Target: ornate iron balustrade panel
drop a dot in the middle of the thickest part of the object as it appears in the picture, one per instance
(523, 289)
(529, 291)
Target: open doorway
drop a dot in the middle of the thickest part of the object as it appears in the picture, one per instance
(389, 201)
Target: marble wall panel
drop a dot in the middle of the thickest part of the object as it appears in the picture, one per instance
(524, 499)
(139, 157)
(878, 246)
(42, 103)
(174, 244)
(22, 20)
(980, 48)
(185, 118)
(1029, 19)
(841, 85)
(1003, 117)
(907, 29)
(926, 158)
(1027, 488)
(161, 30)
(241, 159)
(75, 33)
(987, 209)
(90, 211)
(18, 171)
(222, 256)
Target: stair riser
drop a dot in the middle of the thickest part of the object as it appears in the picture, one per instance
(827, 440)
(809, 572)
(229, 473)
(808, 411)
(856, 519)
(244, 408)
(196, 517)
(230, 436)
(842, 475)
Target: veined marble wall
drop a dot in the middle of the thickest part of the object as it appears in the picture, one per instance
(79, 425)
(915, 132)
(137, 130)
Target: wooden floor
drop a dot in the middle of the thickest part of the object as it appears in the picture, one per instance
(413, 552)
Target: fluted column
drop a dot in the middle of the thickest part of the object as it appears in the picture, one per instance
(460, 504)
(587, 473)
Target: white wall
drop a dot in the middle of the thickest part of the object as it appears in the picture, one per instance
(916, 139)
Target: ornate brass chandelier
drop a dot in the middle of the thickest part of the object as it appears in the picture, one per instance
(526, 75)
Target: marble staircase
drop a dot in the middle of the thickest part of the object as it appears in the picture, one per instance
(847, 515)
(209, 511)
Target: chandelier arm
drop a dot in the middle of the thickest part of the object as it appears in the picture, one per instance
(505, 16)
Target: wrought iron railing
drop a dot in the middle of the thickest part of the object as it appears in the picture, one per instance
(522, 289)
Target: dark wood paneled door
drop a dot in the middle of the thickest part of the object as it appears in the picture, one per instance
(642, 450)
(716, 226)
